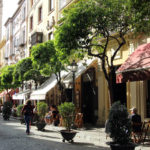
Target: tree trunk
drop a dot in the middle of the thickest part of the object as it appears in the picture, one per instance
(110, 87)
(111, 93)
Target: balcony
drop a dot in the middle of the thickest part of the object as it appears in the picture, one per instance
(36, 37)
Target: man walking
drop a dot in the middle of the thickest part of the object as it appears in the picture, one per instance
(27, 111)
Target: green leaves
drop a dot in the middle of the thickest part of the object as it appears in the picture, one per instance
(46, 58)
(42, 109)
(140, 15)
(67, 111)
(6, 77)
(22, 67)
(119, 124)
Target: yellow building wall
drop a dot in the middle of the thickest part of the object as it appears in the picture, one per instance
(2, 52)
(46, 16)
(136, 92)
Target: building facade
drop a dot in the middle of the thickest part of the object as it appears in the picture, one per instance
(41, 20)
(2, 52)
(34, 21)
(1, 10)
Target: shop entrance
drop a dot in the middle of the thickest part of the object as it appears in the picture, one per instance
(119, 89)
(89, 97)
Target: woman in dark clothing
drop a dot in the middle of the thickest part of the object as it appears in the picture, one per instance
(27, 111)
(55, 115)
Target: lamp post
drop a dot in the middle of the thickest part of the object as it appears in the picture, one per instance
(74, 68)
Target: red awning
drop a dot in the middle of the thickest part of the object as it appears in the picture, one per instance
(136, 67)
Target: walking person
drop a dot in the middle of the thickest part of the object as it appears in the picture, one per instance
(27, 111)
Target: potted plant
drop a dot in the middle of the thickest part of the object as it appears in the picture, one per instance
(19, 113)
(67, 112)
(7, 110)
(41, 110)
(119, 128)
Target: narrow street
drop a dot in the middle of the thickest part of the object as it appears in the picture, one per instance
(13, 137)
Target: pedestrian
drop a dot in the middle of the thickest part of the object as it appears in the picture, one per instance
(27, 111)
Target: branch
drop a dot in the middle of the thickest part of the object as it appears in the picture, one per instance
(94, 55)
(106, 44)
(104, 69)
(115, 39)
(120, 45)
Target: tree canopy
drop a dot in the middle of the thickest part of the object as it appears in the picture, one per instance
(44, 56)
(22, 67)
(6, 77)
(88, 27)
(140, 12)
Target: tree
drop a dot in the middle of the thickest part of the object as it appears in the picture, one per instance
(22, 67)
(6, 77)
(34, 75)
(45, 58)
(140, 15)
(88, 27)
(24, 71)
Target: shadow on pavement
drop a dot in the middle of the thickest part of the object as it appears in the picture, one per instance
(14, 137)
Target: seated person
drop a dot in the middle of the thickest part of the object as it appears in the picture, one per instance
(55, 115)
(48, 117)
(136, 120)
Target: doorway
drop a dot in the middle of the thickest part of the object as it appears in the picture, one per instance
(119, 89)
(89, 97)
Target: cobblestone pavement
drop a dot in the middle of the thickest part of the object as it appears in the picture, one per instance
(13, 137)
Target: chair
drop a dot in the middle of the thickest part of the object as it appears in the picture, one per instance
(79, 120)
(145, 131)
(137, 132)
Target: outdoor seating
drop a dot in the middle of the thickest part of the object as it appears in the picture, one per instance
(140, 136)
(145, 131)
(79, 120)
(137, 132)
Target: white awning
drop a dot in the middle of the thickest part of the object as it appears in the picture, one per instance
(82, 67)
(21, 95)
(40, 93)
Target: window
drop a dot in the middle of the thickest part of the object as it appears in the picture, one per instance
(7, 33)
(131, 48)
(23, 40)
(63, 3)
(31, 23)
(51, 5)
(23, 13)
(50, 36)
(40, 14)
(8, 50)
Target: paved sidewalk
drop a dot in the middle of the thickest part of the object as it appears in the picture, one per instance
(94, 136)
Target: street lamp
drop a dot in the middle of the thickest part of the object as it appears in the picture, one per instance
(73, 69)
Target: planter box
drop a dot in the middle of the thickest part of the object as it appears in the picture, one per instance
(68, 135)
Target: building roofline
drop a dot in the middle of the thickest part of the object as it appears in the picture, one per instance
(19, 5)
(9, 19)
(20, 1)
